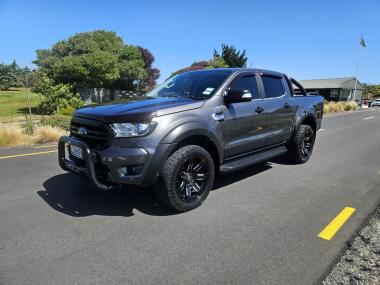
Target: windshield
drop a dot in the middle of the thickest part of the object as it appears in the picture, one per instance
(195, 84)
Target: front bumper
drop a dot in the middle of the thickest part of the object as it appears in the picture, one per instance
(102, 166)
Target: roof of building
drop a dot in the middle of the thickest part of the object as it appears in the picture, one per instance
(344, 82)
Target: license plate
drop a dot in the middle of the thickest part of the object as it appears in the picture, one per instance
(76, 151)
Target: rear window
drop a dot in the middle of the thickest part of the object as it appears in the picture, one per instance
(272, 86)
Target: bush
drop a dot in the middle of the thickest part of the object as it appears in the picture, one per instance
(13, 136)
(59, 97)
(350, 106)
(28, 127)
(57, 121)
(331, 107)
(47, 134)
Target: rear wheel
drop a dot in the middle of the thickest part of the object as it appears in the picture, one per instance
(186, 178)
(301, 147)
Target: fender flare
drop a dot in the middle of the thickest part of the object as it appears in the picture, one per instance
(193, 128)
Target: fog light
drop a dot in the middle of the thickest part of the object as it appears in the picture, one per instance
(123, 171)
(130, 170)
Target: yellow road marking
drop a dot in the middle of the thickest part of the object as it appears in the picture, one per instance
(45, 146)
(27, 154)
(333, 227)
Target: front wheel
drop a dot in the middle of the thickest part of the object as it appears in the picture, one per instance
(186, 178)
(301, 147)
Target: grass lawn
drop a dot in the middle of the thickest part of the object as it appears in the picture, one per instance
(14, 104)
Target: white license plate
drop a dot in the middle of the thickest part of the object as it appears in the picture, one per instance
(76, 151)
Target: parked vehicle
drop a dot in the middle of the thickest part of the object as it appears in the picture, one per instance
(376, 102)
(192, 127)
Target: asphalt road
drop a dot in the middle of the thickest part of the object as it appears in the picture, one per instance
(258, 226)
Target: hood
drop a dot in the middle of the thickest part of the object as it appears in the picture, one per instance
(142, 110)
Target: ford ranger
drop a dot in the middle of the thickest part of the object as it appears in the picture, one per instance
(190, 128)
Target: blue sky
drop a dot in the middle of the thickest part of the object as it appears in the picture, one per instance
(306, 39)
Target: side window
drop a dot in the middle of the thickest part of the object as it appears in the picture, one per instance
(246, 83)
(272, 86)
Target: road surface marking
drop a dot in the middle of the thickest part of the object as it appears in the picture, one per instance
(321, 130)
(346, 113)
(369, 118)
(45, 146)
(333, 227)
(27, 154)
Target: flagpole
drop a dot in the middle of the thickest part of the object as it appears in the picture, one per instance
(357, 70)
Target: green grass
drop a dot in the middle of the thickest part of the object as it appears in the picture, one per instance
(14, 104)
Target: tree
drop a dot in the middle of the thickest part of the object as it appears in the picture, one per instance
(198, 65)
(97, 59)
(153, 73)
(7, 75)
(231, 56)
(56, 98)
(371, 90)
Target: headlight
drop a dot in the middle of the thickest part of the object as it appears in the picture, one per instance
(123, 130)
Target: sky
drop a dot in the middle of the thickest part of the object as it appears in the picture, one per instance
(307, 39)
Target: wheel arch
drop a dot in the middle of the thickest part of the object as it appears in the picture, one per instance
(201, 140)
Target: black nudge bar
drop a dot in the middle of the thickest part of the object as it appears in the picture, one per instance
(69, 165)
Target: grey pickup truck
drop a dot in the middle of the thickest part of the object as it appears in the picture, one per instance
(192, 127)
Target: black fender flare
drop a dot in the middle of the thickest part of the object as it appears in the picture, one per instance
(305, 115)
(193, 128)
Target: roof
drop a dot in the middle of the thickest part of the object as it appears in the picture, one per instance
(329, 83)
(238, 69)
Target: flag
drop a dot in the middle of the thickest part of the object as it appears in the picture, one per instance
(362, 42)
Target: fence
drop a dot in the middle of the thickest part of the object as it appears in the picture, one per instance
(102, 95)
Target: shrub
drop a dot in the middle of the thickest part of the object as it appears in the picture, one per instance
(47, 134)
(58, 97)
(66, 111)
(350, 106)
(13, 136)
(28, 127)
(331, 107)
(57, 121)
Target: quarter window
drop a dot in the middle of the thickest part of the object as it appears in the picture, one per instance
(272, 86)
(246, 83)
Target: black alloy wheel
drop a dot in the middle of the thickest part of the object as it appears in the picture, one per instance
(307, 143)
(186, 178)
(192, 178)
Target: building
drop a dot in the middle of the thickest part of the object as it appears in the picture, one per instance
(335, 89)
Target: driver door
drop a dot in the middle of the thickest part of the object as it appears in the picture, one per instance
(241, 133)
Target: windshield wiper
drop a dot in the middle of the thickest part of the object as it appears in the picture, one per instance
(195, 97)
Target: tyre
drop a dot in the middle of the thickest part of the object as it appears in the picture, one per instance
(301, 147)
(186, 178)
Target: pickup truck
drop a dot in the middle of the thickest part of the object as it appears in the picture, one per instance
(189, 129)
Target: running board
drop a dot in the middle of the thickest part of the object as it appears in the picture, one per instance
(258, 157)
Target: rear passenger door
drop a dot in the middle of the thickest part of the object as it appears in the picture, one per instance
(278, 109)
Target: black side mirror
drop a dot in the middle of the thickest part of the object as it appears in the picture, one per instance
(237, 95)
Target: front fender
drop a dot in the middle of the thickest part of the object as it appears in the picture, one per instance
(194, 128)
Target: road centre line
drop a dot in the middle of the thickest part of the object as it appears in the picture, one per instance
(333, 227)
(45, 146)
(27, 154)
(321, 130)
(369, 118)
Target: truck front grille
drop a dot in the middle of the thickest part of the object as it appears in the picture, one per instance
(96, 134)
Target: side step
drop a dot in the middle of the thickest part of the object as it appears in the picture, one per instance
(257, 157)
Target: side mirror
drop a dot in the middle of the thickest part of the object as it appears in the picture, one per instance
(237, 96)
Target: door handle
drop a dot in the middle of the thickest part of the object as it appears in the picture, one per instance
(259, 110)
(286, 105)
